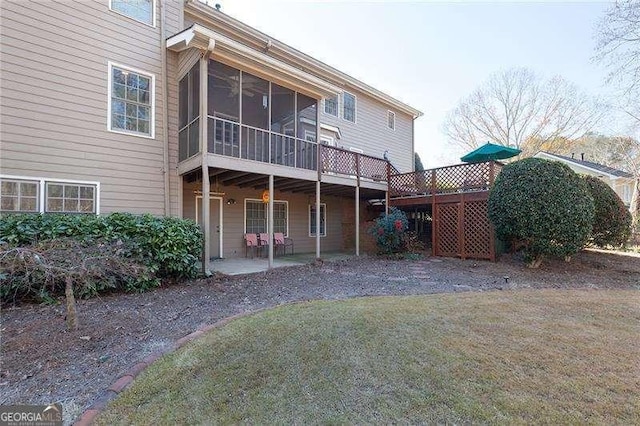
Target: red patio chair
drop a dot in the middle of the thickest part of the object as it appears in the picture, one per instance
(280, 241)
(263, 241)
(251, 244)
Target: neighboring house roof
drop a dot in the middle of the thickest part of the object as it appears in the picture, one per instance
(301, 60)
(600, 168)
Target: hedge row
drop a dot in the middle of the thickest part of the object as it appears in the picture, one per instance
(166, 247)
(545, 208)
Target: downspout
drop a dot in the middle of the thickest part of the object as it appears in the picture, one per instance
(165, 111)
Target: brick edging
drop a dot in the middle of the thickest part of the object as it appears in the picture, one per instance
(127, 378)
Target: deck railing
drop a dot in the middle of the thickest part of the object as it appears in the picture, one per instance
(471, 177)
(343, 162)
(232, 139)
(251, 143)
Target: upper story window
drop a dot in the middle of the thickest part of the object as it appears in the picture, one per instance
(349, 107)
(131, 101)
(391, 120)
(19, 195)
(331, 106)
(140, 10)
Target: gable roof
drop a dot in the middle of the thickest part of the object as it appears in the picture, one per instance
(610, 171)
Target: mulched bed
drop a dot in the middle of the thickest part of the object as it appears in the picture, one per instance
(44, 363)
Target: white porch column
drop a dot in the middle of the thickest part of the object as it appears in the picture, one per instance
(318, 220)
(270, 219)
(358, 220)
(206, 187)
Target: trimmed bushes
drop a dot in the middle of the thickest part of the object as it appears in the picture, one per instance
(612, 220)
(166, 247)
(543, 207)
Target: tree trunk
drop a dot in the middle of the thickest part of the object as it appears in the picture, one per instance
(72, 314)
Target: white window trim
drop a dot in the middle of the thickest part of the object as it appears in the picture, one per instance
(153, 14)
(391, 113)
(318, 225)
(31, 181)
(324, 109)
(355, 108)
(152, 124)
(244, 222)
(311, 133)
(42, 187)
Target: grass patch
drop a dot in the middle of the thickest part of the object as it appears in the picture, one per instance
(501, 357)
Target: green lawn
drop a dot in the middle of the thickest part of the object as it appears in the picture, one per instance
(560, 357)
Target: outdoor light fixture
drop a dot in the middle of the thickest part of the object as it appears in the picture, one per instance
(231, 201)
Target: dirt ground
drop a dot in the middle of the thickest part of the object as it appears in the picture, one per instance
(44, 363)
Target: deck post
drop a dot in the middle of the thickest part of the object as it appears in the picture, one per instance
(318, 219)
(206, 187)
(270, 218)
(358, 220)
(386, 195)
(434, 215)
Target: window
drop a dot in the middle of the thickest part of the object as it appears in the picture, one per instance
(256, 220)
(391, 120)
(627, 194)
(349, 107)
(70, 198)
(131, 101)
(140, 10)
(331, 106)
(19, 195)
(31, 194)
(312, 220)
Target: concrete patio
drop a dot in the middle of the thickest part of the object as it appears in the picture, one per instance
(242, 265)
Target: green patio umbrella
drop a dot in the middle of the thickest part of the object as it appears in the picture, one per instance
(488, 152)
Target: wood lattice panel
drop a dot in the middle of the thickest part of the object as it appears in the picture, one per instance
(463, 177)
(373, 168)
(447, 239)
(336, 160)
(477, 230)
(473, 177)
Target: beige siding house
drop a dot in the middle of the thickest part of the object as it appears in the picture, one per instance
(620, 181)
(171, 107)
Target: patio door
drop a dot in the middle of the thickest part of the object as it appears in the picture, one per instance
(215, 226)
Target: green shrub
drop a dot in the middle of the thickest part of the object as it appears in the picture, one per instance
(389, 231)
(612, 219)
(167, 247)
(543, 207)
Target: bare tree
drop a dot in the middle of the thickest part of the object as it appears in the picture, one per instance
(516, 105)
(618, 48)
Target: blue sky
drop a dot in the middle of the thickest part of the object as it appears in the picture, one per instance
(432, 54)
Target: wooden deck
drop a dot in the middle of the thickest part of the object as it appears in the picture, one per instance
(456, 197)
